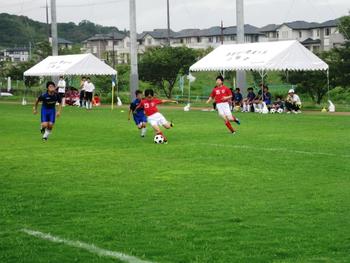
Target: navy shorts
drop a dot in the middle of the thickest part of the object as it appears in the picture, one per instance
(140, 119)
(48, 115)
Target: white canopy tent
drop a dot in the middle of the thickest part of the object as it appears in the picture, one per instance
(261, 57)
(82, 65)
(71, 65)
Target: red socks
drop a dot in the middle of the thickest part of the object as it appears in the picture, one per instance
(229, 126)
(160, 133)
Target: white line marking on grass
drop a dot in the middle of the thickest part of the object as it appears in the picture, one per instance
(286, 150)
(89, 247)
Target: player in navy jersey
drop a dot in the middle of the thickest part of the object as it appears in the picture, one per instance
(48, 109)
(138, 114)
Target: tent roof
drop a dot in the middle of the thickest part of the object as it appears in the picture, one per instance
(83, 64)
(268, 56)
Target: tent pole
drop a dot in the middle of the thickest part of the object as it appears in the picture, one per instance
(328, 83)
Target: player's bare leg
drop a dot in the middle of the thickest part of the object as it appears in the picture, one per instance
(142, 127)
(228, 124)
(48, 130)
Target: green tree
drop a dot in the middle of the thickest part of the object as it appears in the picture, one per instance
(162, 65)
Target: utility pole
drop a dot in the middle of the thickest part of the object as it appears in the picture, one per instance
(241, 78)
(134, 76)
(222, 33)
(168, 19)
(54, 28)
(47, 21)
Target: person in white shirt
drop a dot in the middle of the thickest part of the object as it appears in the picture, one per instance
(293, 102)
(89, 90)
(61, 85)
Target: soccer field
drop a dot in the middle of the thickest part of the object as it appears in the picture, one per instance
(277, 191)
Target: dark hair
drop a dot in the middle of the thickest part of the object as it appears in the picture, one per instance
(238, 89)
(220, 77)
(88, 78)
(137, 92)
(250, 89)
(149, 92)
(50, 83)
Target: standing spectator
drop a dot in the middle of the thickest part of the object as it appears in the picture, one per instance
(293, 102)
(82, 92)
(61, 85)
(238, 99)
(89, 90)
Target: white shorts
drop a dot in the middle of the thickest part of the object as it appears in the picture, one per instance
(157, 119)
(224, 109)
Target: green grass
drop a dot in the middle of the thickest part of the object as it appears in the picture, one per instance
(278, 191)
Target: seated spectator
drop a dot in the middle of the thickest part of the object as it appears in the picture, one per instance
(278, 104)
(96, 100)
(293, 102)
(237, 99)
(231, 102)
(249, 100)
(263, 96)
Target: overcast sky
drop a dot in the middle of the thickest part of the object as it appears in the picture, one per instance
(183, 13)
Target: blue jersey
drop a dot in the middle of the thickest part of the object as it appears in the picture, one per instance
(238, 97)
(267, 98)
(251, 96)
(49, 101)
(139, 112)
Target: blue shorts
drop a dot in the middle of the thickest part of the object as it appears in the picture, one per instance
(48, 115)
(140, 119)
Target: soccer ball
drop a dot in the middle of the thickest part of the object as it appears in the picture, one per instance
(159, 139)
(273, 111)
(280, 110)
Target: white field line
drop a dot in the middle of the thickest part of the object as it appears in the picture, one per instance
(285, 150)
(89, 247)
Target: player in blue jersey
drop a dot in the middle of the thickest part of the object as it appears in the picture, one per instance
(48, 109)
(138, 114)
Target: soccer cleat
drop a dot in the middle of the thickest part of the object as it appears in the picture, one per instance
(165, 142)
(171, 124)
(237, 121)
(44, 139)
(142, 136)
(42, 130)
(233, 133)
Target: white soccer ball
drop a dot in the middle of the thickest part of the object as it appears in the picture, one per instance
(273, 111)
(280, 110)
(159, 139)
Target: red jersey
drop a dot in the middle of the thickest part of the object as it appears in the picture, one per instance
(219, 93)
(150, 106)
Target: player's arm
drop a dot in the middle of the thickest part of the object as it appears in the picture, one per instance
(35, 107)
(59, 109)
(209, 100)
(132, 108)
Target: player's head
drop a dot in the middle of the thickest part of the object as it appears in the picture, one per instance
(61, 77)
(50, 86)
(149, 93)
(88, 79)
(219, 80)
(138, 94)
(250, 89)
(265, 88)
(83, 78)
(238, 89)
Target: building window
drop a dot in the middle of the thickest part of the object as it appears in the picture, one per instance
(188, 40)
(300, 34)
(218, 39)
(233, 38)
(149, 41)
(328, 32)
(318, 32)
(199, 39)
(210, 40)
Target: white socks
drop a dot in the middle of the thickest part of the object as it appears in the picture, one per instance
(47, 133)
(143, 132)
(89, 105)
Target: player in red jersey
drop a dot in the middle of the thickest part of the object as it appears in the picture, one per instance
(222, 94)
(155, 118)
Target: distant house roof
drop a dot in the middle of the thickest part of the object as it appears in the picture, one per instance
(17, 49)
(301, 25)
(330, 23)
(110, 36)
(310, 41)
(216, 31)
(64, 41)
(269, 28)
(157, 34)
